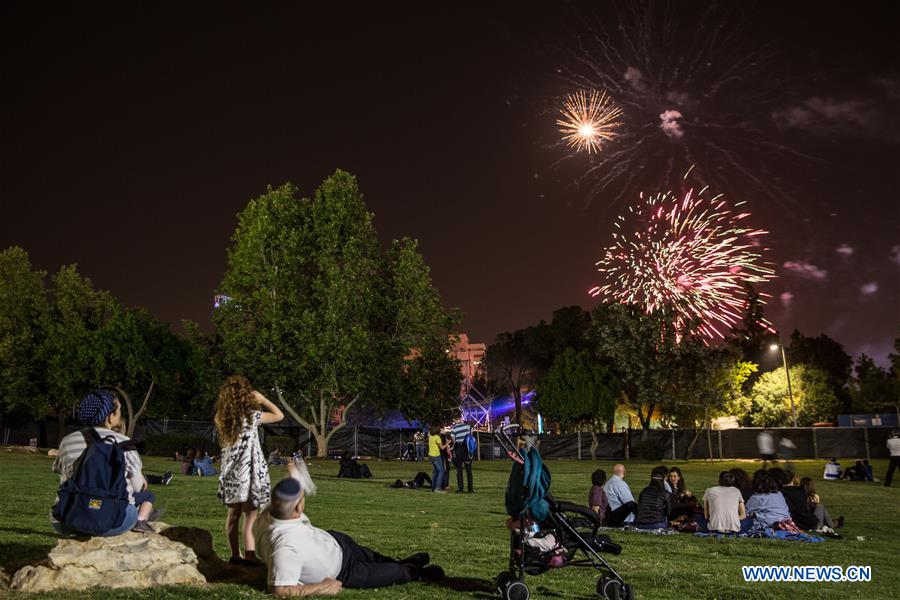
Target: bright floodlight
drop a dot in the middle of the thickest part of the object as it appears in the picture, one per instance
(773, 347)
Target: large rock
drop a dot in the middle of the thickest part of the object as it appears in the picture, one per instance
(130, 560)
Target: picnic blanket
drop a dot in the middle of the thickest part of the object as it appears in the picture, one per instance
(768, 532)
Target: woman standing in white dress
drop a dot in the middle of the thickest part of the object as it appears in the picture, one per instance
(244, 484)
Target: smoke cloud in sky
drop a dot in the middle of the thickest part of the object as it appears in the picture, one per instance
(806, 270)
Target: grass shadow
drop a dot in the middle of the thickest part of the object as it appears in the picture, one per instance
(467, 584)
(23, 531)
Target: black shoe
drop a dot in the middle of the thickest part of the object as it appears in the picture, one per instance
(142, 527)
(243, 562)
(167, 477)
(839, 522)
(417, 560)
(429, 573)
(458, 492)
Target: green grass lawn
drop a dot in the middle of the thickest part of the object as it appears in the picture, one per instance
(465, 533)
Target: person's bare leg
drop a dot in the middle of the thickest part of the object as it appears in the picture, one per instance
(249, 543)
(232, 525)
(144, 511)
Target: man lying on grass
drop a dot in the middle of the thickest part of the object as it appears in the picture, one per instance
(303, 560)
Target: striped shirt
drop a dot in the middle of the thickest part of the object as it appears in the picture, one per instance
(459, 432)
(72, 447)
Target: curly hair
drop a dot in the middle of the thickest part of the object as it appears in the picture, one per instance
(234, 407)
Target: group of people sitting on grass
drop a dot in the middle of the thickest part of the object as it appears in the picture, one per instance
(775, 498)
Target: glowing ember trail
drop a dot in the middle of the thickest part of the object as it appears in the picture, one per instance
(692, 255)
(588, 120)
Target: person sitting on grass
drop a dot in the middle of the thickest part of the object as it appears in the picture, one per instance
(723, 507)
(203, 463)
(797, 501)
(101, 412)
(622, 507)
(684, 503)
(856, 473)
(654, 502)
(818, 508)
(832, 470)
(767, 505)
(303, 560)
(596, 496)
(742, 482)
(351, 469)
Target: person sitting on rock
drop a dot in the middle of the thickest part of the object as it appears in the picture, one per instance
(303, 560)
(101, 410)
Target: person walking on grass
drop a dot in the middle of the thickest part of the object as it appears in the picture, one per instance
(244, 484)
(893, 445)
(101, 412)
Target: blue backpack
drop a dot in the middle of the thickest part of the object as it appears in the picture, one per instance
(94, 500)
(471, 444)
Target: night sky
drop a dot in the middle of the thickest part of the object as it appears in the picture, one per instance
(131, 137)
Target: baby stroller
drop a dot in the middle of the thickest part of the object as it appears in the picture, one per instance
(546, 533)
(409, 453)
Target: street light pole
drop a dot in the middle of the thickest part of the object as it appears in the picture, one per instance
(787, 374)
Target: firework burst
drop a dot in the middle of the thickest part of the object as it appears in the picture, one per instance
(588, 120)
(685, 98)
(688, 254)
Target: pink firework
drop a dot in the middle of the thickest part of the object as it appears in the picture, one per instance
(692, 255)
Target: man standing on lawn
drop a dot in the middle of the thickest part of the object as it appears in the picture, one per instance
(461, 457)
(303, 560)
(893, 445)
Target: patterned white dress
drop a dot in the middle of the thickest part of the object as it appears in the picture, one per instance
(245, 474)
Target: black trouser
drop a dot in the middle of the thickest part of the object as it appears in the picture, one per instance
(615, 518)
(895, 464)
(461, 461)
(364, 568)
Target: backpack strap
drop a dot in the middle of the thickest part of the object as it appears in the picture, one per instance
(90, 436)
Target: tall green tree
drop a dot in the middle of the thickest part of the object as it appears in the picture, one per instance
(23, 313)
(579, 392)
(753, 337)
(873, 389)
(646, 353)
(314, 314)
(828, 356)
(510, 365)
(769, 402)
(141, 357)
(431, 387)
(71, 349)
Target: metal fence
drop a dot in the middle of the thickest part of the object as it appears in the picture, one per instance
(673, 444)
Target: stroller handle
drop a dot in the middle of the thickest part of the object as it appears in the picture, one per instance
(505, 434)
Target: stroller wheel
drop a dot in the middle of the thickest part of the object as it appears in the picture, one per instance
(610, 589)
(627, 592)
(517, 590)
(503, 580)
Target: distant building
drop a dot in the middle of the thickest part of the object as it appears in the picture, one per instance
(469, 354)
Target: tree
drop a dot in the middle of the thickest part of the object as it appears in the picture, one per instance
(140, 356)
(769, 402)
(828, 356)
(754, 338)
(314, 313)
(874, 389)
(431, 387)
(646, 354)
(23, 312)
(579, 392)
(71, 349)
(509, 364)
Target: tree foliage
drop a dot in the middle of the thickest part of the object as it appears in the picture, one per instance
(315, 311)
(431, 386)
(579, 392)
(769, 403)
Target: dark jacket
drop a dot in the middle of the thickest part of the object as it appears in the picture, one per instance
(798, 504)
(654, 505)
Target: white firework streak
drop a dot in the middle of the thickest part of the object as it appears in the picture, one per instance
(690, 254)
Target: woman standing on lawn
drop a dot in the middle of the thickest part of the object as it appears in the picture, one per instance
(244, 484)
(436, 449)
